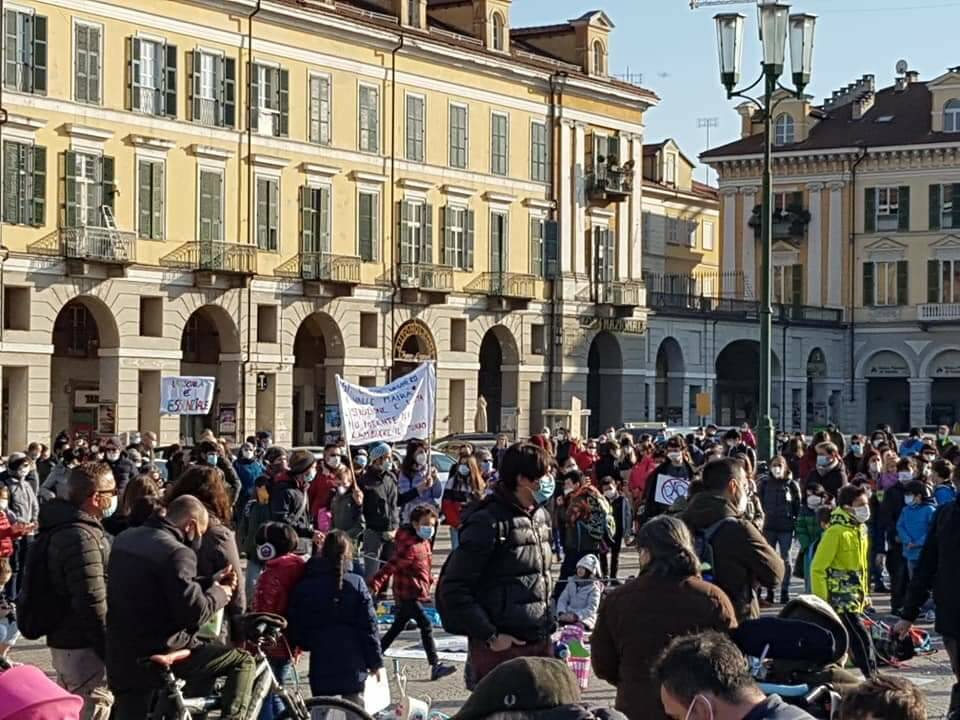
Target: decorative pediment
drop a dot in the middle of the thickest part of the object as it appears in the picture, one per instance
(946, 248)
(885, 244)
(596, 18)
(785, 253)
(885, 250)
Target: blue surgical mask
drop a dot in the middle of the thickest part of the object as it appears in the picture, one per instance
(486, 466)
(824, 461)
(425, 532)
(856, 449)
(388, 466)
(547, 487)
(361, 461)
(310, 475)
(212, 459)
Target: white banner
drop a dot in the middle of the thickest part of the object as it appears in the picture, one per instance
(670, 489)
(186, 395)
(402, 410)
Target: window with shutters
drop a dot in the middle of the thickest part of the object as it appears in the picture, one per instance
(152, 77)
(886, 284)
(150, 199)
(415, 227)
(88, 188)
(315, 231)
(270, 114)
(25, 52)
(538, 260)
(943, 281)
(415, 127)
(951, 116)
(413, 13)
(787, 284)
(690, 230)
(457, 242)
(368, 225)
(499, 238)
(499, 129)
(673, 231)
(369, 118)
(320, 109)
(213, 88)
(24, 184)
(268, 213)
(708, 230)
(87, 63)
(458, 136)
(538, 152)
(887, 209)
(211, 206)
(604, 255)
(945, 207)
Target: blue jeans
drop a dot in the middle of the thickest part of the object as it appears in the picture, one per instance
(273, 705)
(454, 538)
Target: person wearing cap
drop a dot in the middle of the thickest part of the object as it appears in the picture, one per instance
(248, 468)
(275, 463)
(580, 599)
(209, 452)
(56, 483)
(264, 441)
(532, 688)
(123, 469)
(288, 499)
(24, 508)
(381, 508)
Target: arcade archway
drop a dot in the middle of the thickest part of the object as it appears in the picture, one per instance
(738, 386)
(318, 352)
(604, 382)
(669, 387)
(498, 378)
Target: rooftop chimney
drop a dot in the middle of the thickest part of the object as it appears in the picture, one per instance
(912, 76)
(845, 95)
(862, 105)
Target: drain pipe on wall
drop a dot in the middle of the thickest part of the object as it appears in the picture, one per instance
(557, 82)
(395, 245)
(4, 252)
(251, 239)
(853, 266)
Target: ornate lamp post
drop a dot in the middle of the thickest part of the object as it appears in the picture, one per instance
(775, 22)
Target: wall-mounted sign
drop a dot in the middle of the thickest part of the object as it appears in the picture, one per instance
(946, 365)
(86, 398)
(887, 364)
(107, 419)
(616, 325)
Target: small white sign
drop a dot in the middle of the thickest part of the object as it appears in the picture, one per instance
(186, 395)
(670, 489)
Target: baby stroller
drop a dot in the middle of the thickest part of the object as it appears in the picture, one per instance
(798, 655)
(27, 694)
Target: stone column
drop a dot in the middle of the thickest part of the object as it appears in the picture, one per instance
(565, 211)
(728, 261)
(580, 200)
(39, 422)
(856, 416)
(636, 209)
(120, 386)
(685, 403)
(748, 249)
(651, 399)
(814, 249)
(835, 245)
(919, 400)
(283, 423)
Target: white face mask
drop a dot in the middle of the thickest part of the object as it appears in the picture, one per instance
(905, 476)
(743, 503)
(610, 494)
(777, 471)
(862, 513)
(247, 454)
(113, 456)
(333, 462)
(420, 458)
(675, 457)
(342, 489)
(814, 501)
(908, 499)
(875, 467)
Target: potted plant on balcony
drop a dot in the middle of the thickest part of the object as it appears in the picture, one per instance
(789, 223)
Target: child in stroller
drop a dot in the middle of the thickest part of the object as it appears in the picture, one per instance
(800, 654)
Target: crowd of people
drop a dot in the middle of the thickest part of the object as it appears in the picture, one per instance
(114, 557)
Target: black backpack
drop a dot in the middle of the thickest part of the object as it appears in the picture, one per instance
(38, 605)
(703, 546)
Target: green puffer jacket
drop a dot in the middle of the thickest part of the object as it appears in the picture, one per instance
(808, 529)
(840, 571)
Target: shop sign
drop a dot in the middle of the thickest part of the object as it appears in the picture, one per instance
(86, 398)
(625, 326)
(947, 365)
(887, 365)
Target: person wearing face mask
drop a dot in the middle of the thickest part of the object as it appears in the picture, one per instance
(157, 600)
(894, 501)
(417, 483)
(854, 457)
(706, 677)
(562, 445)
(464, 487)
(123, 469)
(24, 508)
(870, 476)
(346, 510)
(622, 511)
(410, 568)
(675, 471)
(944, 442)
(209, 453)
(840, 572)
(641, 472)
(808, 530)
(248, 469)
(360, 460)
(608, 462)
(73, 540)
(288, 498)
(667, 599)
(830, 471)
(747, 561)
(915, 521)
(495, 588)
(488, 472)
(381, 508)
(587, 523)
(324, 484)
(780, 496)
(735, 444)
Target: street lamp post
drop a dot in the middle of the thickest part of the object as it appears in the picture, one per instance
(775, 21)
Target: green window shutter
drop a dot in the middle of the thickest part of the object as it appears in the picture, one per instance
(254, 99)
(934, 214)
(449, 253)
(205, 195)
(955, 212)
(10, 55)
(156, 181)
(797, 285)
(365, 226)
(40, 54)
(551, 249)
(468, 240)
(283, 103)
(133, 73)
(108, 187)
(536, 248)
(71, 200)
(194, 62)
(796, 198)
(80, 73)
(169, 81)
(273, 217)
(228, 93)
(263, 208)
(217, 207)
(324, 217)
(38, 210)
(868, 282)
(903, 214)
(93, 65)
(870, 210)
(144, 199)
(902, 282)
(933, 281)
(11, 182)
(426, 251)
(307, 214)
(402, 217)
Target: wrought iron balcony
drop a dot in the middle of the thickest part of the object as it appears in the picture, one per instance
(808, 314)
(504, 284)
(217, 257)
(939, 312)
(610, 183)
(428, 278)
(621, 294)
(322, 267)
(90, 244)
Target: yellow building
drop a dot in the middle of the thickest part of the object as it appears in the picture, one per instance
(275, 194)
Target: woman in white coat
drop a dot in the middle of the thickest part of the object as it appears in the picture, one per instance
(580, 599)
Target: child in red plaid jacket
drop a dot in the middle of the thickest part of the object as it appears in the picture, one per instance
(410, 568)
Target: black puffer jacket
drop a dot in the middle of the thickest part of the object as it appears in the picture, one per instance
(289, 504)
(498, 579)
(781, 503)
(77, 560)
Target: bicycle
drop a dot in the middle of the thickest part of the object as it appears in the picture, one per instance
(262, 630)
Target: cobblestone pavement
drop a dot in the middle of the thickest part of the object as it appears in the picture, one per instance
(931, 673)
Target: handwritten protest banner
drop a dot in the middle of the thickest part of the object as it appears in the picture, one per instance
(670, 489)
(402, 410)
(186, 395)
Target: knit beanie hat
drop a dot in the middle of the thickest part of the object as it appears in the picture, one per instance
(301, 461)
(524, 684)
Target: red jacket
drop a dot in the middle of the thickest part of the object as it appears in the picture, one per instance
(639, 476)
(409, 566)
(7, 535)
(320, 493)
(585, 460)
(274, 586)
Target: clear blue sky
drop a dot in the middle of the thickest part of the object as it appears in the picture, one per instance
(674, 48)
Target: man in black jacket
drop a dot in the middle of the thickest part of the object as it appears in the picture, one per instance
(123, 469)
(381, 508)
(288, 498)
(157, 605)
(495, 587)
(77, 560)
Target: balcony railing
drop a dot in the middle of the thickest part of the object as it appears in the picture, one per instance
(623, 294)
(939, 312)
(430, 278)
(610, 182)
(808, 314)
(210, 256)
(700, 284)
(97, 244)
(504, 284)
(323, 267)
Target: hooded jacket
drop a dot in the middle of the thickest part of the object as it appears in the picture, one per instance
(272, 594)
(381, 508)
(945, 492)
(24, 505)
(289, 504)
(745, 560)
(780, 499)
(913, 526)
(937, 572)
(77, 561)
(247, 470)
(409, 567)
(581, 598)
(840, 571)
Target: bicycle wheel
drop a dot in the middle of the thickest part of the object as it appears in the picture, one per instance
(329, 708)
